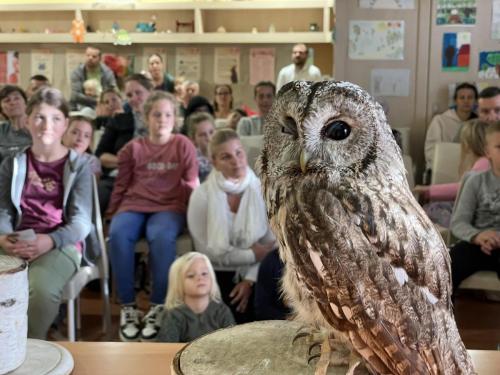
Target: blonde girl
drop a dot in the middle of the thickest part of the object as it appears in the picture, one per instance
(193, 304)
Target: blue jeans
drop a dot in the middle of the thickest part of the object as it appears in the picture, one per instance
(161, 230)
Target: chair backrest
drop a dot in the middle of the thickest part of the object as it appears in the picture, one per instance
(97, 219)
(446, 163)
(252, 145)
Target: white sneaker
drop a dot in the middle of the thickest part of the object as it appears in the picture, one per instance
(152, 322)
(130, 327)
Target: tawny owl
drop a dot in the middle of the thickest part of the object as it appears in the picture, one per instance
(362, 259)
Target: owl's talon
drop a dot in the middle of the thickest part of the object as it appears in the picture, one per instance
(300, 335)
(314, 345)
(317, 355)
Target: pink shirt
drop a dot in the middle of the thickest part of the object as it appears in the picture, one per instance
(448, 192)
(43, 194)
(154, 178)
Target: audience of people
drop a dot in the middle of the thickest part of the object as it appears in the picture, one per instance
(150, 189)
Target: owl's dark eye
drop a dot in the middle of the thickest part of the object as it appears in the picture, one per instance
(289, 126)
(337, 130)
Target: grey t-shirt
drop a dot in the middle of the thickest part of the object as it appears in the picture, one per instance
(478, 207)
(183, 325)
(12, 140)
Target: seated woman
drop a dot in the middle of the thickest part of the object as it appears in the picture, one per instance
(228, 222)
(196, 104)
(445, 127)
(14, 135)
(118, 132)
(438, 199)
(51, 197)
(156, 175)
(78, 136)
(202, 129)
(223, 101)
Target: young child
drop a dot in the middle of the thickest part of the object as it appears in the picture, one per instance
(193, 305)
(476, 219)
(46, 188)
(156, 175)
(92, 87)
(202, 128)
(79, 137)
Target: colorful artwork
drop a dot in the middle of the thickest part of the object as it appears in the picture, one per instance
(456, 52)
(13, 73)
(489, 65)
(376, 40)
(456, 12)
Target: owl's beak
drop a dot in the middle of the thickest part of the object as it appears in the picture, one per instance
(304, 158)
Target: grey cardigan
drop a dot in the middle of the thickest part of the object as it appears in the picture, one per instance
(77, 201)
(79, 75)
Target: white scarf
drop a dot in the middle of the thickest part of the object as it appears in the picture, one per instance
(250, 222)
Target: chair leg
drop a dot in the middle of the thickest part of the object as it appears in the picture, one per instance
(78, 314)
(106, 319)
(71, 320)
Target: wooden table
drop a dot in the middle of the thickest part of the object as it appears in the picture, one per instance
(95, 358)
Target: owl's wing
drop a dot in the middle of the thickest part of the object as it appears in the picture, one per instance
(379, 287)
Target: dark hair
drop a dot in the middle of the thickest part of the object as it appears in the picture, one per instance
(197, 102)
(264, 84)
(140, 79)
(465, 85)
(230, 92)
(489, 92)
(94, 47)
(39, 77)
(50, 96)
(9, 89)
(110, 90)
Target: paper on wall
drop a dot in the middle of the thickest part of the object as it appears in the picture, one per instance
(390, 82)
(227, 65)
(387, 4)
(188, 63)
(376, 40)
(42, 62)
(73, 58)
(495, 19)
(262, 65)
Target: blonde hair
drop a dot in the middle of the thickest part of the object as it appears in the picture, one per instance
(175, 293)
(93, 84)
(221, 136)
(473, 142)
(156, 96)
(197, 118)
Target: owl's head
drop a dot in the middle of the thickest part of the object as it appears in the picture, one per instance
(331, 128)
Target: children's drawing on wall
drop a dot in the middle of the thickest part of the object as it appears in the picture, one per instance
(13, 67)
(188, 63)
(42, 62)
(387, 4)
(456, 52)
(390, 82)
(456, 12)
(376, 40)
(489, 65)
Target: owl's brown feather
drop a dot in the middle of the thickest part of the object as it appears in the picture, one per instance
(353, 238)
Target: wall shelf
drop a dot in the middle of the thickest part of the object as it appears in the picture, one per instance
(238, 17)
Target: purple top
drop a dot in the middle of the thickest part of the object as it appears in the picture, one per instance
(43, 193)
